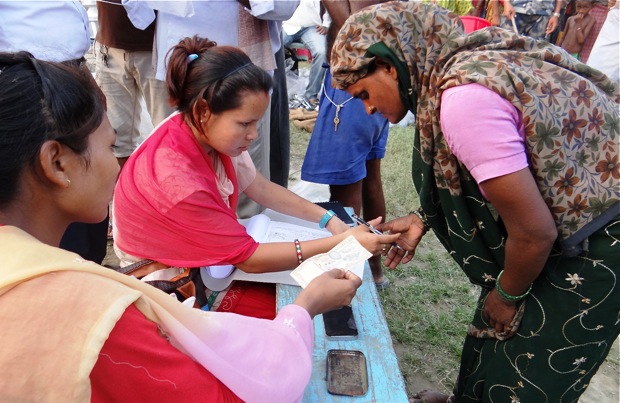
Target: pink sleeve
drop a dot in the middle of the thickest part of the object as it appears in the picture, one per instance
(254, 359)
(137, 363)
(268, 360)
(245, 169)
(487, 135)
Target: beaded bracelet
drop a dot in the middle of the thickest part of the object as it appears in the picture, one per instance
(507, 297)
(420, 213)
(300, 257)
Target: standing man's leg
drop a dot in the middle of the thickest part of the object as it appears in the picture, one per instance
(122, 96)
(280, 145)
(287, 39)
(153, 91)
(373, 202)
(366, 196)
(349, 195)
(316, 43)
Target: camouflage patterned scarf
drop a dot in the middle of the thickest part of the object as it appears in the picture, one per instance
(570, 114)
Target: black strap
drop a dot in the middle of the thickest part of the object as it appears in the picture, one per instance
(133, 267)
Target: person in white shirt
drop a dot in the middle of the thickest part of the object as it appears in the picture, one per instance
(306, 25)
(606, 50)
(34, 26)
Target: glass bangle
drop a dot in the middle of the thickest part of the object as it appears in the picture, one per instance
(505, 295)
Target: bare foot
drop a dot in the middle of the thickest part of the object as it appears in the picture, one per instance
(432, 396)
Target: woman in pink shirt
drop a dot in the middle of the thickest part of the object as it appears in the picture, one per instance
(516, 164)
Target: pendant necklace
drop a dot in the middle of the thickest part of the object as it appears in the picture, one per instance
(338, 106)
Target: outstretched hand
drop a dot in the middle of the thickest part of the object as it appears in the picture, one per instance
(374, 243)
(410, 234)
(331, 290)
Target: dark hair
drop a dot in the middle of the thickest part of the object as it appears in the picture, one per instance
(41, 101)
(218, 75)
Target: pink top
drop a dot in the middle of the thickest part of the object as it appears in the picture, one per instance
(175, 203)
(487, 136)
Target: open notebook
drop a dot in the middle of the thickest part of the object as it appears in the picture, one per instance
(275, 227)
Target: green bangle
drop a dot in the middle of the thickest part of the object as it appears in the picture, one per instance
(506, 296)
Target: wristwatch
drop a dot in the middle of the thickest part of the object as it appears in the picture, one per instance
(556, 15)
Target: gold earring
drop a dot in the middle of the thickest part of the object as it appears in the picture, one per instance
(68, 182)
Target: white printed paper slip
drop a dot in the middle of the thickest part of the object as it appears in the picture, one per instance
(347, 255)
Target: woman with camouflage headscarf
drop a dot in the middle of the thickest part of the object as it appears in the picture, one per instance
(516, 163)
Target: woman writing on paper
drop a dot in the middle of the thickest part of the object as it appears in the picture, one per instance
(516, 163)
(73, 331)
(176, 196)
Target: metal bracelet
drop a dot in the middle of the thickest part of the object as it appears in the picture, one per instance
(422, 216)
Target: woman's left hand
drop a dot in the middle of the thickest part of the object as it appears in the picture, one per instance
(499, 312)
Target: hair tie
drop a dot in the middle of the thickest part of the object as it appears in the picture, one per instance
(237, 69)
(191, 57)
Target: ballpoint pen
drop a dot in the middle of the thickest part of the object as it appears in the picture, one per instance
(361, 221)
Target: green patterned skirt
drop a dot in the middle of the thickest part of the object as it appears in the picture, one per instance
(571, 320)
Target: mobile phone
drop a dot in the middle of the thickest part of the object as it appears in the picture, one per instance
(340, 323)
(346, 373)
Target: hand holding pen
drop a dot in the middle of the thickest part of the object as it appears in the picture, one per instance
(361, 221)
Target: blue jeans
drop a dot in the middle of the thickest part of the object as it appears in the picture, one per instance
(316, 44)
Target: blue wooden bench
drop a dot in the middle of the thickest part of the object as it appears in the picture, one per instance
(385, 382)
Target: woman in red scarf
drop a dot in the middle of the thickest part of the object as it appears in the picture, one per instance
(176, 197)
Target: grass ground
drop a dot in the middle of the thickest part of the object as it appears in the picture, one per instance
(429, 302)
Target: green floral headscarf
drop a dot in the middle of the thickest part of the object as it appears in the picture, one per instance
(570, 114)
